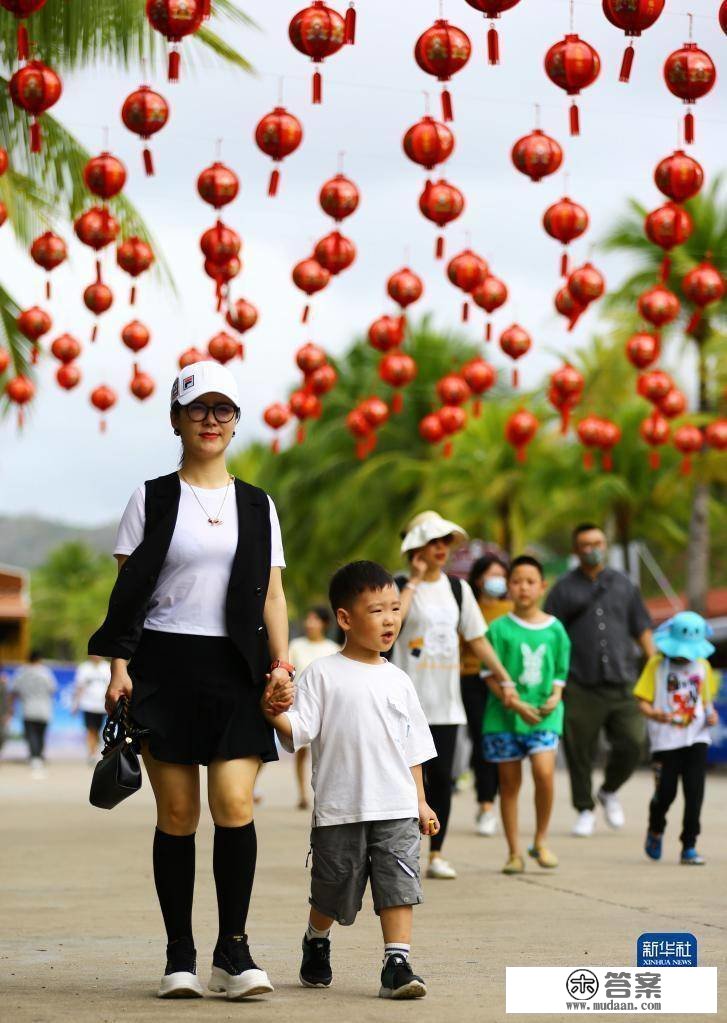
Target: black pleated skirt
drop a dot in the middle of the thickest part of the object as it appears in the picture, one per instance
(196, 696)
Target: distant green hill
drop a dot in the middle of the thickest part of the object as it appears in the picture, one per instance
(26, 540)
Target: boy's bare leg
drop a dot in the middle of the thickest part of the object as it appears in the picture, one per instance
(510, 776)
(301, 762)
(543, 768)
(396, 922)
(319, 921)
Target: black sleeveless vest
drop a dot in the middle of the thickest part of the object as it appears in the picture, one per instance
(246, 592)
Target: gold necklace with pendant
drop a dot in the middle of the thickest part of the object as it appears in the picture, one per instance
(217, 520)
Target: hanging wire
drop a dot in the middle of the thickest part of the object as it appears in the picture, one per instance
(280, 90)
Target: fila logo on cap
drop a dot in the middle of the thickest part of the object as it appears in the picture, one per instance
(188, 382)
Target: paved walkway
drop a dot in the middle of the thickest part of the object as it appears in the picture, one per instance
(81, 937)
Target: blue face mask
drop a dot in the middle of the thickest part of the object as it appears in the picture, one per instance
(495, 586)
(593, 557)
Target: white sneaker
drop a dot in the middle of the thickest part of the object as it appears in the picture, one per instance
(612, 808)
(486, 823)
(37, 769)
(441, 870)
(240, 985)
(584, 825)
(180, 985)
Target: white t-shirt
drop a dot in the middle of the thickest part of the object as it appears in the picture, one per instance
(681, 688)
(366, 729)
(91, 682)
(428, 647)
(304, 651)
(191, 590)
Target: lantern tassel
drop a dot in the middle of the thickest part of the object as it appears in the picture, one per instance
(35, 136)
(564, 264)
(515, 377)
(465, 312)
(564, 419)
(98, 272)
(607, 461)
(521, 453)
(587, 460)
(488, 331)
(402, 321)
(686, 467)
(132, 296)
(575, 122)
(300, 434)
(694, 321)
(22, 41)
(397, 403)
(102, 426)
(349, 28)
(439, 247)
(306, 310)
(34, 353)
(174, 61)
(665, 268)
(627, 63)
(361, 449)
(477, 408)
(273, 183)
(47, 287)
(241, 351)
(654, 460)
(148, 162)
(689, 128)
(447, 450)
(447, 112)
(493, 45)
(21, 418)
(94, 333)
(317, 88)
(275, 446)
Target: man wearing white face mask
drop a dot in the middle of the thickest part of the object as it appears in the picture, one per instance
(605, 618)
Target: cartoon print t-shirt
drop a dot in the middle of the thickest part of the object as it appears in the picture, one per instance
(536, 655)
(680, 688)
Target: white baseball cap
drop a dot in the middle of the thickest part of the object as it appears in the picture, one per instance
(204, 378)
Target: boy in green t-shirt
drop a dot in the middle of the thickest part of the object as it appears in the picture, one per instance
(526, 719)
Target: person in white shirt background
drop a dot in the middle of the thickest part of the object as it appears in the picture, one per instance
(428, 650)
(34, 686)
(303, 651)
(89, 696)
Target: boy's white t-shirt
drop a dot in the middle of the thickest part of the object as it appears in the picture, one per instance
(366, 729)
(304, 651)
(428, 647)
(681, 688)
(191, 591)
(91, 682)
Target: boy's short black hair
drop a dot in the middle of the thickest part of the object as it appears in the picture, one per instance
(354, 579)
(320, 612)
(584, 527)
(34, 655)
(525, 559)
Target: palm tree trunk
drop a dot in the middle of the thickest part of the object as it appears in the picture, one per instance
(698, 542)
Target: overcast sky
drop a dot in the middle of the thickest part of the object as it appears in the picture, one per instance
(61, 466)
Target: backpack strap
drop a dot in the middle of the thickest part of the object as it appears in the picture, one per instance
(456, 585)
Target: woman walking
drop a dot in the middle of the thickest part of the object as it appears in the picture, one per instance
(35, 686)
(436, 611)
(488, 579)
(196, 621)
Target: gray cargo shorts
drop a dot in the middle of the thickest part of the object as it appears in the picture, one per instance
(345, 856)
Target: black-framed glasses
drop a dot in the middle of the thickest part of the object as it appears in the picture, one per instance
(223, 411)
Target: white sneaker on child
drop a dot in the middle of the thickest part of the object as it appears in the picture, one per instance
(584, 825)
(612, 808)
(486, 823)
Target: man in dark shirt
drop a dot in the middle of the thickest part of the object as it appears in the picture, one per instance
(604, 616)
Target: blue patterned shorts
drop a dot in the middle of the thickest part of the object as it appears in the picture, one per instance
(501, 747)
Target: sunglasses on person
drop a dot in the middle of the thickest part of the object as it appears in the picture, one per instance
(223, 411)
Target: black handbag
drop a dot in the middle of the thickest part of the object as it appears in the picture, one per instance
(117, 775)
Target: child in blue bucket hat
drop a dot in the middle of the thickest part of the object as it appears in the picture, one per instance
(675, 693)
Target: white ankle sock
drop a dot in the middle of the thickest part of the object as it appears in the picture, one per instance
(312, 933)
(396, 948)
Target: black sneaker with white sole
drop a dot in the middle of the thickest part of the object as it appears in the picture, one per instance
(180, 977)
(234, 970)
(398, 980)
(315, 970)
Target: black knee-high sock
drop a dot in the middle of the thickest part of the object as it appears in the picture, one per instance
(174, 879)
(233, 863)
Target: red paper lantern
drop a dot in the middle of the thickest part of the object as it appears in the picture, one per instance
(335, 253)
(566, 305)
(22, 9)
(136, 336)
(104, 175)
(310, 357)
(453, 390)
(277, 416)
(145, 113)
(428, 142)
(3, 213)
(723, 16)
(68, 376)
(565, 221)
(36, 88)
(175, 19)
(479, 376)
(220, 243)
(278, 134)
(515, 342)
(659, 306)
(442, 51)
(643, 349)
(96, 228)
(304, 405)
(655, 431)
(142, 385)
(218, 185)
(452, 419)
(673, 404)
(688, 440)
(33, 323)
(376, 411)
(98, 299)
(48, 251)
(654, 385)
(322, 380)
(572, 65)
(492, 9)
(222, 274)
(222, 347)
(386, 333)
(586, 284)
(190, 356)
(4, 360)
(103, 398)
(405, 287)
(310, 277)
(608, 438)
(689, 73)
(633, 17)
(361, 429)
(715, 434)
(466, 271)
(339, 197)
(135, 257)
(679, 176)
(668, 226)
(537, 155)
(702, 286)
(431, 429)
(566, 388)
(318, 32)
(520, 429)
(242, 315)
(441, 203)
(66, 348)
(490, 295)
(20, 390)
(590, 434)
(3, 161)
(397, 369)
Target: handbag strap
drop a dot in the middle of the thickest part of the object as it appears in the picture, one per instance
(119, 726)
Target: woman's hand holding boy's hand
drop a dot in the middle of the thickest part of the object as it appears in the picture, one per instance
(279, 694)
(551, 703)
(509, 696)
(428, 821)
(529, 714)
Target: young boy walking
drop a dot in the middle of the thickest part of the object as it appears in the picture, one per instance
(675, 694)
(527, 718)
(369, 738)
